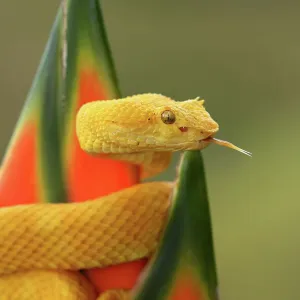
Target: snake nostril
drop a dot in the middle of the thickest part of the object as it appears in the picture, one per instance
(183, 129)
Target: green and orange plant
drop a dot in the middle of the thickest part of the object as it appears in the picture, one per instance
(44, 163)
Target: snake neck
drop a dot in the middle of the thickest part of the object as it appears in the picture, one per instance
(150, 163)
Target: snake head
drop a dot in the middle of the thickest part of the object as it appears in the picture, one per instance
(146, 122)
(184, 125)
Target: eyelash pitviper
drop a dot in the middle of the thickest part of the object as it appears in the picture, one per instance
(42, 245)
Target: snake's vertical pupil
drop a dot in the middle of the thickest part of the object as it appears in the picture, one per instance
(168, 117)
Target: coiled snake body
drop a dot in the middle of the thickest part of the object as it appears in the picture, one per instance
(42, 245)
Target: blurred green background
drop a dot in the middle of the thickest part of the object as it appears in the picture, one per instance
(243, 57)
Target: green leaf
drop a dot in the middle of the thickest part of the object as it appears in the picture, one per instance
(184, 265)
(44, 153)
(44, 162)
(45, 158)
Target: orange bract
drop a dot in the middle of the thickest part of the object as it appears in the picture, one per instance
(18, 177)
(92, 177)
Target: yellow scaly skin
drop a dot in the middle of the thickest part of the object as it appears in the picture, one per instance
(38, 239)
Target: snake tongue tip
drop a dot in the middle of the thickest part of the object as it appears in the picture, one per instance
(228, 145)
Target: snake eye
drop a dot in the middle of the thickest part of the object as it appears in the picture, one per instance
(168, 117)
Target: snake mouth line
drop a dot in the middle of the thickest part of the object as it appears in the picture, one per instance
(212, 140)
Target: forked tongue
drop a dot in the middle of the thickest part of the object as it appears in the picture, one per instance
(228, 145)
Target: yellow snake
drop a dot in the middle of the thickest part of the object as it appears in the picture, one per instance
(42, 245)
